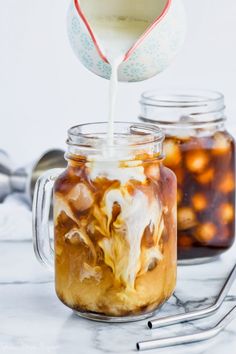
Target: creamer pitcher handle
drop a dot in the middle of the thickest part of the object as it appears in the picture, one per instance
(41, 211)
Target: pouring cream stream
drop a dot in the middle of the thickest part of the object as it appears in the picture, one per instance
(116, 28)
(116, 35)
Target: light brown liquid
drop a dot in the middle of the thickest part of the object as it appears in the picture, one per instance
(115, 258)
(205, 170)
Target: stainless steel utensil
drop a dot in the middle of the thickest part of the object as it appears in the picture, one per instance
(189, 338)
(5, 172)
(23, 180)
(197, 314)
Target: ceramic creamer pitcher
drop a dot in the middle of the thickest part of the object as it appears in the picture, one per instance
(150, 53)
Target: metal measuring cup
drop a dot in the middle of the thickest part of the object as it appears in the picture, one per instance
(23, 180)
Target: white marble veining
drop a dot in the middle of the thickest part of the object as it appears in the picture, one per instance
(33, 321)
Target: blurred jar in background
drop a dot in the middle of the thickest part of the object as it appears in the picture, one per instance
(201, 152)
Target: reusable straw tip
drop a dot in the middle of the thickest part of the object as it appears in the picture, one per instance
(149, 324)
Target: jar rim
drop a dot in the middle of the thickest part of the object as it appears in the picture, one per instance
(181, 97)
(126, 135)
(182, 106)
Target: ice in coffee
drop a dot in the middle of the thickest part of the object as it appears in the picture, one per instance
(206, 192)
(115, 225)
(201, 153)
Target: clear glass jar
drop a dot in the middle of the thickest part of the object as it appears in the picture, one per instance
(114, 223)
(201, 152)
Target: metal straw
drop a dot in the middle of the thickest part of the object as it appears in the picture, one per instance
(197, 314)
(189, 338)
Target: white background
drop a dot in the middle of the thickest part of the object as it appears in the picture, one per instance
(44, 89)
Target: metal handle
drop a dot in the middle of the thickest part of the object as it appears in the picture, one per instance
(41, 210)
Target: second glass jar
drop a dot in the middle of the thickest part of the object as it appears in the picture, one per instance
(201, 152)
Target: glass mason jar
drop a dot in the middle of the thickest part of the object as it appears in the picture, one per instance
(115, 223)
(201, 152)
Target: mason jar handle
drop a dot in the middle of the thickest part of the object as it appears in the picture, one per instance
(41, 212)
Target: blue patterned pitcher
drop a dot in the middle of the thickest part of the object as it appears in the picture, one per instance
(151, 54)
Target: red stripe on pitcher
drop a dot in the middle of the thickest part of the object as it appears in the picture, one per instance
(148, 30)
(139, 41)
(81, 14)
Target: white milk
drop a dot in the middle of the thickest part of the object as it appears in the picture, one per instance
(117, 25)
(116, 35)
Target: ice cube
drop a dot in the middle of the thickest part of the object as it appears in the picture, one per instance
(80, 197)
(88, 272)
(226, 213)
(227, 184)
(73, 237)
(186, 218)
(78, 236)
(153, 171)
(221, 144)
(197, 161)
(172, 153)
(205, 232)
(199, 201)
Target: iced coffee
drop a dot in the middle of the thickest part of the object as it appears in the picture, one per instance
(115, 234)
(201, 152)
(205, 170)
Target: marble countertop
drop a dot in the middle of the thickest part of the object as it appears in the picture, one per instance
(33, 321)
